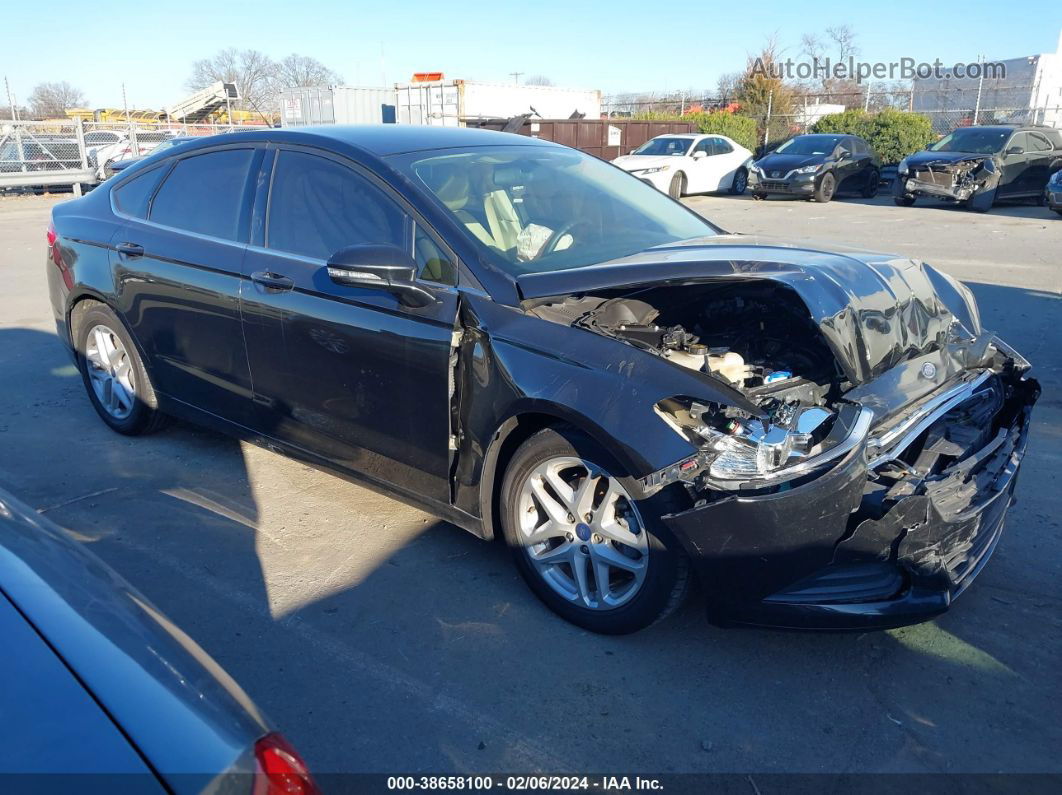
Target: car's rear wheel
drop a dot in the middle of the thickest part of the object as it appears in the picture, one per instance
(741, 181)
(678, 186)
(870, 190)
(825, 189)
(112, 370)
(594, 555)
(904, 201)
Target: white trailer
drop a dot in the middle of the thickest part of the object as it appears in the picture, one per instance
(336, 105)
(452, 103)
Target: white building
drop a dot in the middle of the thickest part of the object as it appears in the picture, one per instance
(1029, 93)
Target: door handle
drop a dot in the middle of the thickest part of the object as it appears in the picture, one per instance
(130, 249)
(272, 281)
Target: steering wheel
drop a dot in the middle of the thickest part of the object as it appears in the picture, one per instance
(551, 244)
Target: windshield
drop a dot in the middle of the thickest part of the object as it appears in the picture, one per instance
(664, 146)
(809, 145)
(538, 208)
(978, 140)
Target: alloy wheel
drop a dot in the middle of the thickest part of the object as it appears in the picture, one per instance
(110, 372)
(582, 533)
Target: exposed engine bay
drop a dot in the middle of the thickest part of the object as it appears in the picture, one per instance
(953, 180)
(758, 338)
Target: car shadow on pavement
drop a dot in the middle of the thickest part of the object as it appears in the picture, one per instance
(383, 640)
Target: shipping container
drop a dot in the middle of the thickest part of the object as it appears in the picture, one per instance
(452, 103)
(336, 105)
(604, 138)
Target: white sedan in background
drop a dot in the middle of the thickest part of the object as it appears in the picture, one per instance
(681, 164)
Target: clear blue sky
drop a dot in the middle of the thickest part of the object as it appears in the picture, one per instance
(613, 46)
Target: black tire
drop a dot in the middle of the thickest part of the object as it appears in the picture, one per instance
(758, 196)
(870, 190)
(740, 182)
(667, 576)
(904, 201)
(678, 186)
(826, 188)
(145, 416)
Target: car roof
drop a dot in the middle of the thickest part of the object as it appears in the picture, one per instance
(391, 139)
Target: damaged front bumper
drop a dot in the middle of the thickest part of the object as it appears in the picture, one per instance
(959, 182)
(879, 540)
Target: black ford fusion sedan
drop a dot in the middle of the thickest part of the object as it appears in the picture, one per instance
(533, 344)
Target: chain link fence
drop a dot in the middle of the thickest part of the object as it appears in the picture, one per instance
(796, 113)
(41, 154)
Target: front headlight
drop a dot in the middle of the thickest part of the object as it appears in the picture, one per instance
(807, 169)
(654, 170)
(755, 169)
(1056, 179)
(795, 441)
(902, 168)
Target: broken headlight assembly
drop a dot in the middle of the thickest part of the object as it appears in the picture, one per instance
(738, 451)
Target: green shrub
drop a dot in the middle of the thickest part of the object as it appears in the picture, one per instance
(893, 134)
(898, 133)
(852, 122)
(741, 129)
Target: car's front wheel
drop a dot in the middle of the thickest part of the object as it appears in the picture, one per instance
(594, 555)
(112, 370)
(826, 188)
(678, 186)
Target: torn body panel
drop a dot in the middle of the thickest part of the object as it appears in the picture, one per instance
(861, 547)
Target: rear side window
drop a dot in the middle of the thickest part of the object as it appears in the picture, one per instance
(132, 197)
(204, 193)
(318, 206)
(721, 146)
(1038, 143)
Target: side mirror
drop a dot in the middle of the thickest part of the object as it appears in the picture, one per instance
(386, 268)
(1015, 150)
(699, 154)
(631, 152)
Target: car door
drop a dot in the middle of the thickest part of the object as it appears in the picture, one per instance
(1016, 160)
(846, 165)
(177, 274)
(1041, 153)
(699, 167)
(347, 373)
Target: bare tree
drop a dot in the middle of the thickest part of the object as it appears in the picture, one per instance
(727, 85)
(252, 71)
(838, 46)
(302, 70)
(51, 100)
(538, 80)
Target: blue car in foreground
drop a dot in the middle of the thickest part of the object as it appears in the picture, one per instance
(98, 681)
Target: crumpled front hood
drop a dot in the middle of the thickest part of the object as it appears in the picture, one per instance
(923, 159)
(874, 310)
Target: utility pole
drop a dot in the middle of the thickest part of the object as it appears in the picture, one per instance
(515, 76)
(980, 83)
(10, 100)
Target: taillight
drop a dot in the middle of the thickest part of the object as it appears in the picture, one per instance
(55, 251)
(280, 769)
